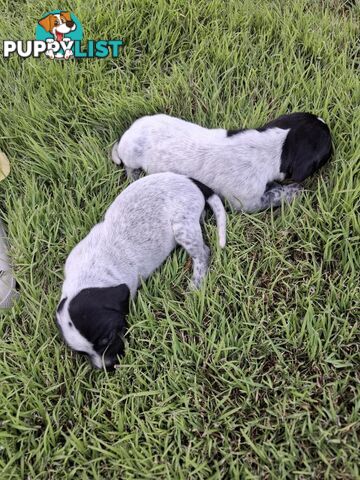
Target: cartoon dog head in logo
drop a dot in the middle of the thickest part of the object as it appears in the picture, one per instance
(58, 24)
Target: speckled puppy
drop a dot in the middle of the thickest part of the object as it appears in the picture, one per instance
(140, 229)
(242, 165)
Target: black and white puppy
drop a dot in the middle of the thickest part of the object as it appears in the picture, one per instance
(140, 229)
(239, 165)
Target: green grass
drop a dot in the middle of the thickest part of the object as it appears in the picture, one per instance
(256, 375)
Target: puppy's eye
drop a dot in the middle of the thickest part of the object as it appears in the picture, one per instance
(56, 23)
(103, 342)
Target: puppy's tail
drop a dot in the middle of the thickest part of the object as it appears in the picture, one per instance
(219, 211)
(115, 154)
(217, 207)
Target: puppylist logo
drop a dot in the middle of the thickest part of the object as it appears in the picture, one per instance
(59, 35)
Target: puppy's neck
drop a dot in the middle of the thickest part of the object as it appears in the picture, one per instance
(261, 149)
(101, 272)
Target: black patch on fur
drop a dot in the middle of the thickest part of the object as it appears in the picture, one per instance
(100, 316)
(290, 120)
(307, 146)
(204, 189)
(271, 185)
(61, 304)
(230, 133)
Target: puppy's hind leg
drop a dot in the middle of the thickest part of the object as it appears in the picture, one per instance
(188, 234)
(275, 194)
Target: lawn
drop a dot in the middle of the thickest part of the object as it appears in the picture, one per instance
(254, 376)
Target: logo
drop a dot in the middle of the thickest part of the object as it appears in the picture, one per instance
(59, 35)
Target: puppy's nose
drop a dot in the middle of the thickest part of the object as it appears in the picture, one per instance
(69, 23)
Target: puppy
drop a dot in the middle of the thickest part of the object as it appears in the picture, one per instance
(239, 165)
(140, 229)
(58, 24)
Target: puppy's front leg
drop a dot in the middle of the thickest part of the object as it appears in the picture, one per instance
(189, 236)
(275, 194)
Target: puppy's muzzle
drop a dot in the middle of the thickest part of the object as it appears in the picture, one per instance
(70, 23)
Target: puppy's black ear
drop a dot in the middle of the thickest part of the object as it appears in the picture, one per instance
(109, 298)
(301, 169)
(119, 296)
(306, 149)
(122, 292)
(99, 308)
(296, 162)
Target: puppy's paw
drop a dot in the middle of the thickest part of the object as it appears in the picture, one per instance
(295, 186)
(293, 190)
(195, 283)
(200, 267)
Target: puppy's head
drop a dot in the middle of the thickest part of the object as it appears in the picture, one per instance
(305, 151)
(58, 24)
(94, 322)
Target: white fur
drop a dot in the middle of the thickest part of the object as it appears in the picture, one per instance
(238, 168)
